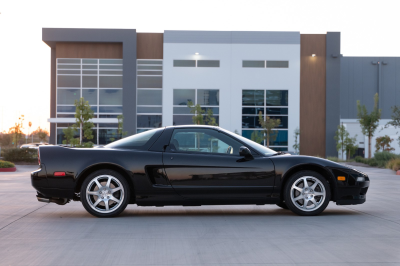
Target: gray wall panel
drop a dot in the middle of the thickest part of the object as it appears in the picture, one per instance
(53, 93)
(332, 90)
(388, 86)
(344, 84)
(244, 37)
(360, 81)
(397, 80)
(265, 37)
(177, 36)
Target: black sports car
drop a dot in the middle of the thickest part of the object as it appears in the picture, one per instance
(192, 166)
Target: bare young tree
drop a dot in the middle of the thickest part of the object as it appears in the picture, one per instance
(369, 121)
(268, 125)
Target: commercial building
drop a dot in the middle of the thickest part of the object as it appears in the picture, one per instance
(302, 79)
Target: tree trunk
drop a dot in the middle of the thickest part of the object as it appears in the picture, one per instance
(369, 146)
(268, 140)
(80, 134)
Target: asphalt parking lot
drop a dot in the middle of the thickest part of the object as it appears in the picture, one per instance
(35, 233)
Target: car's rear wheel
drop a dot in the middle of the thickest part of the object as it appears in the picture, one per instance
(105, 193)
(307, 193)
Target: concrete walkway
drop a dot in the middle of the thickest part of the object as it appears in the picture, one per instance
(34, 233)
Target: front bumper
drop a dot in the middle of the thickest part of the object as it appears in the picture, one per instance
(353, 188)
(352, 195)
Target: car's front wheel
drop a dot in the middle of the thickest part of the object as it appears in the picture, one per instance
(307, 193)
(105, 193)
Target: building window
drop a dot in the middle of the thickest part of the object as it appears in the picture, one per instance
(206, 98)
(184, 63)
(277, 64)
(253, 63)
(265, 64)
(271, 103)
(196, 63)
(149, 94)
(207, 63)
(98, 81)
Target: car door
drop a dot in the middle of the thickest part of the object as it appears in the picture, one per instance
(204, 163)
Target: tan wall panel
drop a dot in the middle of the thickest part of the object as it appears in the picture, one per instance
(88, 50)
(150, 45)
(312, 94)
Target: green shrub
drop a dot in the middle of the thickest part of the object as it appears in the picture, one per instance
(20, 155)
(393, 164)
(358, 159)
(333, 159)
(384, 156)
(5, 164)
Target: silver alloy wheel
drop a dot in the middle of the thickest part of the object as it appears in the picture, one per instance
(105, 193)
(308, 193)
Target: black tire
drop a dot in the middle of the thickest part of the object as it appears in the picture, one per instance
(283, 205)
(104, 196)
(321, 194)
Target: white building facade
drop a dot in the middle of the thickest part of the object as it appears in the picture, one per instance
(237, 75)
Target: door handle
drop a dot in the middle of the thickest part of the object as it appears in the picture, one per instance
(172, 158)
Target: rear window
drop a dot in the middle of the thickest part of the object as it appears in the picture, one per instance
(138, 141)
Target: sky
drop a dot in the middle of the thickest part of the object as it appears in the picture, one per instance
(368, 28)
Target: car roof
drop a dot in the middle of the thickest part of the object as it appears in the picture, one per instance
(194, 126)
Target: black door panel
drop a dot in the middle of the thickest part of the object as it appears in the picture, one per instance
(207, 176)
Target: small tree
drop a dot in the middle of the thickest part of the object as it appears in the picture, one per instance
(209, 119)
(198, 118)
(6, 139)
(268, 125)
(256, 136)
(340, 137)
(16, 130)
(30, 125)
(120, 131)
(296, 145)
(41, 133)
(350, 146)
(395, 119)
(69, 136)
(369, 122)
(121, 127)
(383, 143)
(83, 114)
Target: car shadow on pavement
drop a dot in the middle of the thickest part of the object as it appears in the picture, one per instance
(176, 211)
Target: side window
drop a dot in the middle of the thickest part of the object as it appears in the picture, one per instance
(204, 141)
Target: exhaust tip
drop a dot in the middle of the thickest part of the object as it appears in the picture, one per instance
(43, 199)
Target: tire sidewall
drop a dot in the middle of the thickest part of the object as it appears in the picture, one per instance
(288, 187)
(123, 182)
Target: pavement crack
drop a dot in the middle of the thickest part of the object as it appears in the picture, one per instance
(22, 217)
(372, 215)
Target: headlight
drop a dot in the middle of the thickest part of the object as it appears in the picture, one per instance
(360, 179)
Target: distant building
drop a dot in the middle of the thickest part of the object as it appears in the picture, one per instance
(302, 79)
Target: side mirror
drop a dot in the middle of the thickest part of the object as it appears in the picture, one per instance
(246, 153)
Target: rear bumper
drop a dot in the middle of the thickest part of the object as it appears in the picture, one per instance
(39, 178)
(352, 195)
(40, 183)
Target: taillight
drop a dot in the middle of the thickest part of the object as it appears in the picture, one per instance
(38, 155)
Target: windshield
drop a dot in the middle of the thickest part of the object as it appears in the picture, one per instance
(258, 147)
(135, 141)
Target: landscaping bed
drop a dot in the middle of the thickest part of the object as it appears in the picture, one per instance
(7, 166)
